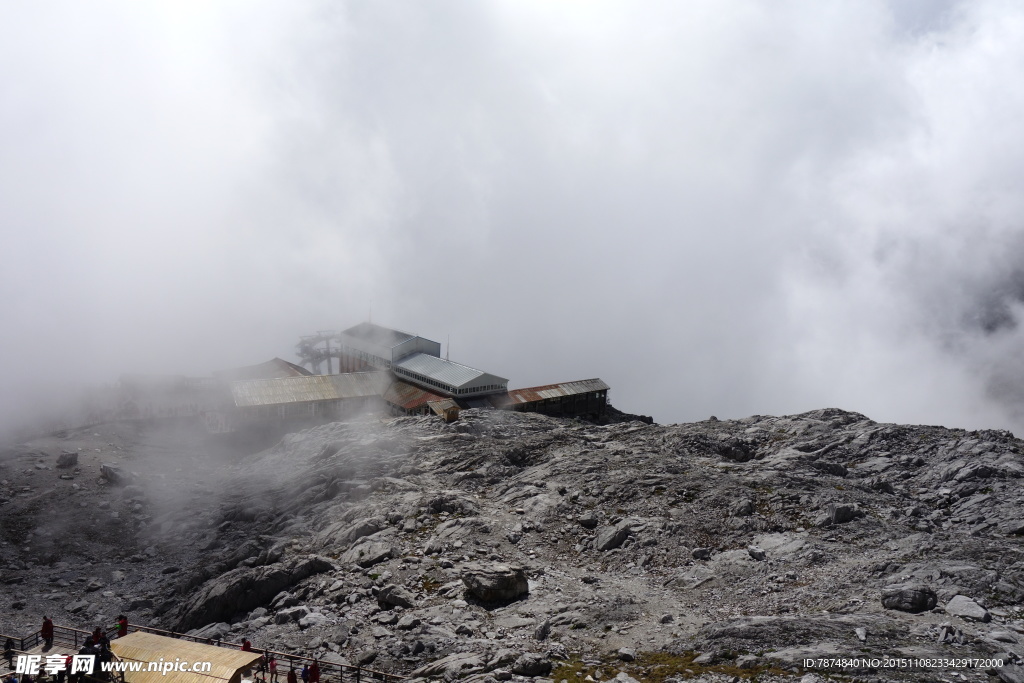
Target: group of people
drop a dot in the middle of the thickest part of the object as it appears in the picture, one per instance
(266, 668)
(96, 644)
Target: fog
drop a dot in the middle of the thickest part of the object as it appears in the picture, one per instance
(718, 208)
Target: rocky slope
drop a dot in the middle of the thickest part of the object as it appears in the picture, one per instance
(507, 544)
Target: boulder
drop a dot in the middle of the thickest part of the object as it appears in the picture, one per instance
(840, 512)
(312, 619)
(113, 473)
(395, 596)
(407, 622)
(355, 531)
(368, 553)
(67, 459)
(449, 667)
(965, 608)
(908, 598)
(611, 537)
(588, 520)
(291, 614)
(244, 589)
(531, 664)
(216, 631)
(756, 553)
(742, 508)
(495, 582)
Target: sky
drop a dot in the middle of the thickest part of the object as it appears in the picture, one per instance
(719, 208)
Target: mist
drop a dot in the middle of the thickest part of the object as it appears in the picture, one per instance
(716, 208)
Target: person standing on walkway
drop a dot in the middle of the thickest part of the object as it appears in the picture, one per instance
(9, 652)
(47, 632)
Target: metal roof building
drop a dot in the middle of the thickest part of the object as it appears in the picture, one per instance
(447, 377)
(585, 397)
(282, 390)
(382, 347)
(549, 391)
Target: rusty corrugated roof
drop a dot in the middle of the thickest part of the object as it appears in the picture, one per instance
(225, 665)
(285, 390)
(540, 393)
(408, 396)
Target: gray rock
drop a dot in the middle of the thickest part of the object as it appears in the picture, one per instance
(239, 591)
(611, 537)
(833, 468)
(491, 583)
(1011, 673)
(626, 654)
(965, 608)
(531, 664)
(747, 661)
(291, 614)
(449, 667)
(359, 529)
(139, 603)
(368, 553)
(395, 596)
(701, 553)
(76, 607)
(407, 622)
(312, 619)
(588, 520)
(215, 631)
(908, 598)
(742, 508)
(840, 513)
(756, 553)
(67, 459)
(113, 473)
(543, 631)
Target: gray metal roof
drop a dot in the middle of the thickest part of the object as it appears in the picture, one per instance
(444, 371)
(381, 336)
(284, 390)
(531, 394)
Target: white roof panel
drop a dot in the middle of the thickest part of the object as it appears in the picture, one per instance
(444, 371)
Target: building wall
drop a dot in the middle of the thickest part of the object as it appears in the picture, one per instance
(589, 404)
(416, 345)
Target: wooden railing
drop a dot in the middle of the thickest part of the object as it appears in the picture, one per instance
(330, 672)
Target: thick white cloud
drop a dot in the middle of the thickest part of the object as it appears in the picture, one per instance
(717, 207)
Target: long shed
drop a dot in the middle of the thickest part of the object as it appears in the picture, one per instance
(220, 665)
